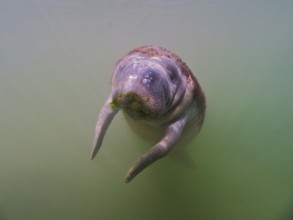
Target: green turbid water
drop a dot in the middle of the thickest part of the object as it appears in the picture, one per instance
(56, 61)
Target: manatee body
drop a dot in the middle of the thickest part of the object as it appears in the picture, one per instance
(159, 96)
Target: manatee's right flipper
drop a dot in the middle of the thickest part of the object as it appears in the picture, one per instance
(106, 115)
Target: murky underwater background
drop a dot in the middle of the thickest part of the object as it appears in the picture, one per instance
(56, 59)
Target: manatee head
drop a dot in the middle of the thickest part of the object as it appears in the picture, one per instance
(146, 87)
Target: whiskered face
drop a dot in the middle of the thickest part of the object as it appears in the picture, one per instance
(145, 88)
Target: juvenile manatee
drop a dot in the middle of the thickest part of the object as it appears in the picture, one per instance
(159, 95)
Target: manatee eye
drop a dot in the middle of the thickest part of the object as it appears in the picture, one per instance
(173, 73)
(172, 76)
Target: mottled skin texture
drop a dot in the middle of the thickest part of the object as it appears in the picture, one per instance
(158, 95)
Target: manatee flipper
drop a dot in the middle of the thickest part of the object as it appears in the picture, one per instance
(160, 150)
(106, 115)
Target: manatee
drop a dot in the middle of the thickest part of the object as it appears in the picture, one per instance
(161, 99)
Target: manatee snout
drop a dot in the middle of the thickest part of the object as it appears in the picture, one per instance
(142, 94)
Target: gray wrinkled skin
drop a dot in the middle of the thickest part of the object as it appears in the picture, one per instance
(159, 96)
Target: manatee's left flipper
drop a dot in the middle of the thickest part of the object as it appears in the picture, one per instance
(106, 115)
(160, 150)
